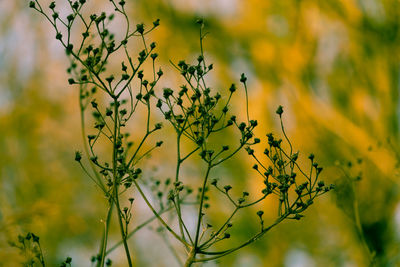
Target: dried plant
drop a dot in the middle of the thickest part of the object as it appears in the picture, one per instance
(198, 115)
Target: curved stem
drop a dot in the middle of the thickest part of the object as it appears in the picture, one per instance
(220, 254)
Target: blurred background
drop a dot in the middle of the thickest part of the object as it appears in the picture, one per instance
(334, 66)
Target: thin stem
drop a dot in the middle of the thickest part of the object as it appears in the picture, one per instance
(220, 229)
(140, 226)
(220, 254)
(116, 183)
(103, 246)
(200, 215)
(178, 206)
(158, 215)
(247, 102)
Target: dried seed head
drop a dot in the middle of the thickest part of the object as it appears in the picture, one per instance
(243, 78)
(279, 111)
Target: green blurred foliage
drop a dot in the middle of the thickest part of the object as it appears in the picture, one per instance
(333, 65)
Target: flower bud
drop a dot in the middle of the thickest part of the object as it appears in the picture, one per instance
(227, 188)
(167, 92)
(279, 111)
(35, 238)
(140, 28)
(156, 23)
(154, 56)
(159, 143)
(110, 78)
(232, 88)
(243, 78)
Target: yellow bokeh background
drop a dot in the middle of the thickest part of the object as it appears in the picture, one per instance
(333, 65)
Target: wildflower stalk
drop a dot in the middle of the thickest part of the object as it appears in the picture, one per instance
(197, 114)
(163, 222)
(178, 206)
(103, 246)
(116, 181)
(200, 214)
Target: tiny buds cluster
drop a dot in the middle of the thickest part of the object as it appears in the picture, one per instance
(276, 143)
(247, 131)
(284, 171)
(196, 112)
(89, 60)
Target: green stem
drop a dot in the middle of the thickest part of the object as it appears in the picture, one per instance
(178, 205)
(103, 246)
(220, 254)
(220, 229)
(137, 229)
(200, 215)
(158, 215)
(191, 258)
(116, 196)
(85, 146)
